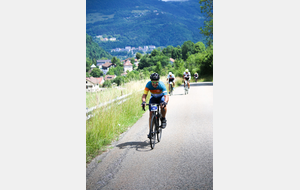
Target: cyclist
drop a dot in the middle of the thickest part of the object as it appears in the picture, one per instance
(171, 78)
(196, 76)
(159, 94)
(187, 77)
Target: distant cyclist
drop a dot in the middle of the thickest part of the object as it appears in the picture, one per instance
(187, 77)
(159, 94)
(171, 78)
(196, 76)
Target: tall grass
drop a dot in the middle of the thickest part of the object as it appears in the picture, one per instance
(95, 98)
(110, 121)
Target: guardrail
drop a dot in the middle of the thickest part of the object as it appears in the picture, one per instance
(121, 99)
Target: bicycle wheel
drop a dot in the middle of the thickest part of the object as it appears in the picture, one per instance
(159, 129)
(153, 131)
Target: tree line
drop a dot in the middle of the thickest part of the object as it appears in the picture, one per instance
(194, 57)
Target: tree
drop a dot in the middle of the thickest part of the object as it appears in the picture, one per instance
(168, 51)
(177, 53)
(179, 67)
(88, 64)
(116, 61)
(111, 71)
(206, 7)
(132, 60)
(107, 83)
(187, 49)
(199, 48)
(155, 52)
(158, 68)
(118, 80)
(96, 72)
(144, 62)
(138, 55)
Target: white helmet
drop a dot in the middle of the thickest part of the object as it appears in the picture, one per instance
(170, 73)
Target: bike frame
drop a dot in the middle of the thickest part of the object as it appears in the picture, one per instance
(157, 130)
(186, 88)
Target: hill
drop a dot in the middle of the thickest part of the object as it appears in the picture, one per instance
(93, 51)
(143, 22)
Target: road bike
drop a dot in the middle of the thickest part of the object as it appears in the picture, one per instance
(196, 78)
(171, 88)
(186, 88)
(155, 124)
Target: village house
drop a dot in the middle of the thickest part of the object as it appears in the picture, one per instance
(110, 77)
(102, 62)
(106, 66)
(127, 66)
(136, 62)
(172, 61)
(93, 83)
(93, 66)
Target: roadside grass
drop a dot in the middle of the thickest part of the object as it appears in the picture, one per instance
(112, 120)
(95, 98)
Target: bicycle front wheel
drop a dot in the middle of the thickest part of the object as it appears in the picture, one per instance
(153, 131)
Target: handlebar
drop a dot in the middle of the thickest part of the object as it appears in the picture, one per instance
(158, 104)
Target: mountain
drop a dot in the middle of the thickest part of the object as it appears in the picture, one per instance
(144, 22)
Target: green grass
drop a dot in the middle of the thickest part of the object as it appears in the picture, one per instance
(109, 122)
(95, 98)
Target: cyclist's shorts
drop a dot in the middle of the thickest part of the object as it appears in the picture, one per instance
(156, 100)
(171, 80)
(187, 78)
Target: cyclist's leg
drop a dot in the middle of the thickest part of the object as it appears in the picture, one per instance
(152, 100)
(163, 113)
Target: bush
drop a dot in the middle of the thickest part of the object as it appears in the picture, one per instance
(107, 83)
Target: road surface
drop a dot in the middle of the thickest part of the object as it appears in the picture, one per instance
(182, 160)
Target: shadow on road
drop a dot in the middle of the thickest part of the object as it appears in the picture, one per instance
(202, 84)
(139, 146)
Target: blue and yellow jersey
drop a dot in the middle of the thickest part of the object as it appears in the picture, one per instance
(156, 92)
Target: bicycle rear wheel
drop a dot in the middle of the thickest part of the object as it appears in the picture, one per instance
(159, 129)
(153, 131)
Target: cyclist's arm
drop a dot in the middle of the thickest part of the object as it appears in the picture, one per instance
(144, 97)
(145, 94)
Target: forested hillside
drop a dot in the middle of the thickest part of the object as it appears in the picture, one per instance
(140, 22)
(93, 51)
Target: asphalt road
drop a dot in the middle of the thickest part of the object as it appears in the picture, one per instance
(182, 160)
